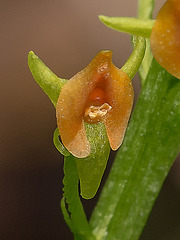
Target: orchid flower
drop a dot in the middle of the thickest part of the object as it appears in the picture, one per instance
(99, 93)
(165, 37)
(92, 109)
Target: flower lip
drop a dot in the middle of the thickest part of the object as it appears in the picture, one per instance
(96, 107)
(97, 96)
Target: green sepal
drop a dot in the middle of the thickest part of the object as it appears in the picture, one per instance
(133, 26)
(57, 143)
(46, 79)
(91, 168)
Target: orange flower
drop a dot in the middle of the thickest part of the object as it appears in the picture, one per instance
(165, 37)
(99, 93)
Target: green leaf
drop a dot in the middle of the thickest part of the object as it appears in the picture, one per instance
(91, 168)
(46, 79)
(60, 147)
(151, 144)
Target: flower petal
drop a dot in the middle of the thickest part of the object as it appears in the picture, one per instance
(120, 96)
(165, 37)
(69, 119)
(72, 101)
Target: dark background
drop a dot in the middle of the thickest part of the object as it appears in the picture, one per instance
(66, 35)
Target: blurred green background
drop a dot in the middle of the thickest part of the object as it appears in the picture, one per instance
(66, 35)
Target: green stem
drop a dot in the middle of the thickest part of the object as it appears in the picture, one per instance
(133, 26)
(135, 59)
(145, 10)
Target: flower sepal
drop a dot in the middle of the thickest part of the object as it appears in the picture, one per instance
(45, 78)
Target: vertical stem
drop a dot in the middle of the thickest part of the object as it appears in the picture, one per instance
(145, 10)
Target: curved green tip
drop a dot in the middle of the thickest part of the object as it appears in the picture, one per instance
(134, 61)
(133, 26)
(46, 79)
(57, 143)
